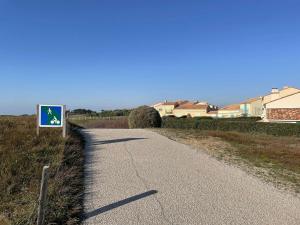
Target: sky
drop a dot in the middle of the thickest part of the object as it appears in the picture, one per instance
(109, 54)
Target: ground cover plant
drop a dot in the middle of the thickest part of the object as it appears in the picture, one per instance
(274, 159)
(101, 122)
(144, 117)
(22, 156)
(247, 125)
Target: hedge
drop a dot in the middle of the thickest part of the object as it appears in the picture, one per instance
(277, 129)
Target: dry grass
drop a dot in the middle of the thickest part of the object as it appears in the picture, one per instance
(22, 156)
(274, 159)
(118, 122)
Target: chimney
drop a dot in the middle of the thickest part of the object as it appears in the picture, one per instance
(274, 94)
(166, 101)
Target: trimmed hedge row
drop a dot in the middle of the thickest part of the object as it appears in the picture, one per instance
(277, 129)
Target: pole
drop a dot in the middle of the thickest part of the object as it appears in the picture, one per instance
(37, 119)
(43, 196)
(64, 122)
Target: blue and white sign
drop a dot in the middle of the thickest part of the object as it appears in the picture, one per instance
(51, 115)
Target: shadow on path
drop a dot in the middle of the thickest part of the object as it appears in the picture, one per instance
(115, 141)
(118, 204)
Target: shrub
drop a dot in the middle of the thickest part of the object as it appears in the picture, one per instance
(23, 156)
(206, 118)
(144, 117)
(277, 129)
(253, 119)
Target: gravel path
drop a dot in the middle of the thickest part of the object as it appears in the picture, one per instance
(140, 177)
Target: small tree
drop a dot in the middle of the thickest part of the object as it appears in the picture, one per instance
(143, 117)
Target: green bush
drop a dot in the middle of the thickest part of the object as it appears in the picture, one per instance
(253, 119)
(277, 129)
(144, 117)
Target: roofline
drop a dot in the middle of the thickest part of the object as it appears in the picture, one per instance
(223, 108)
(281, 90)
(252, 100)
(282, 98)
(188, 109)
(229, 110)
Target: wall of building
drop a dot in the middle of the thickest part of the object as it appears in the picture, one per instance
(283, 114)
(165, 110)
(190, 112)
(289, 102)
(256, 108)
(282, 93)
(245, 109)
(229, 113)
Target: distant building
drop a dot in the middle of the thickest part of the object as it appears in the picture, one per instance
(276, 94)
(229, 111)
(283, 109)
(184, 108)
(166, 108)
(258, 107)
(252, 107)
(278, 106)
(193, 109)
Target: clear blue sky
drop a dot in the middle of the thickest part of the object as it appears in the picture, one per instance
(113, 54)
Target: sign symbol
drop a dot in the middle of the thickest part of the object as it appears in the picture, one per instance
(51, 115)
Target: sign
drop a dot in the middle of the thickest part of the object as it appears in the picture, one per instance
(51, 115)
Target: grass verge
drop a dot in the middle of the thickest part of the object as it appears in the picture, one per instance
(273, 159)
(117, 122)
(22, 156)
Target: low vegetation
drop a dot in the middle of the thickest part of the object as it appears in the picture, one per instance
(102, 113)
(272, 158)
(245, 125)
(120, 122)
(23, 155)
(116, 112)
(144, 117)
(86, 112)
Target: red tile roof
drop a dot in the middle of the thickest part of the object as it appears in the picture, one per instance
(191, 105)
(170, 103)
(177, 103)
(250, 100)
(231, 107)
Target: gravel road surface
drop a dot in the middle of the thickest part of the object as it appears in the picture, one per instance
(140, 177)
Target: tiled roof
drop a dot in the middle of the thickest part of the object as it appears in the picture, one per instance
(177, 103)
(250, 100)
(231, 107)
(191, 105)
(282, 93)
(170, 103)
(283, 97)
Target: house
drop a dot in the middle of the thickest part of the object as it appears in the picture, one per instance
(229, 111)
(166, 108)
(252, 107)
(276, 94)
(278, 106)
(193, 109)
(283, 109)
(184, 108)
